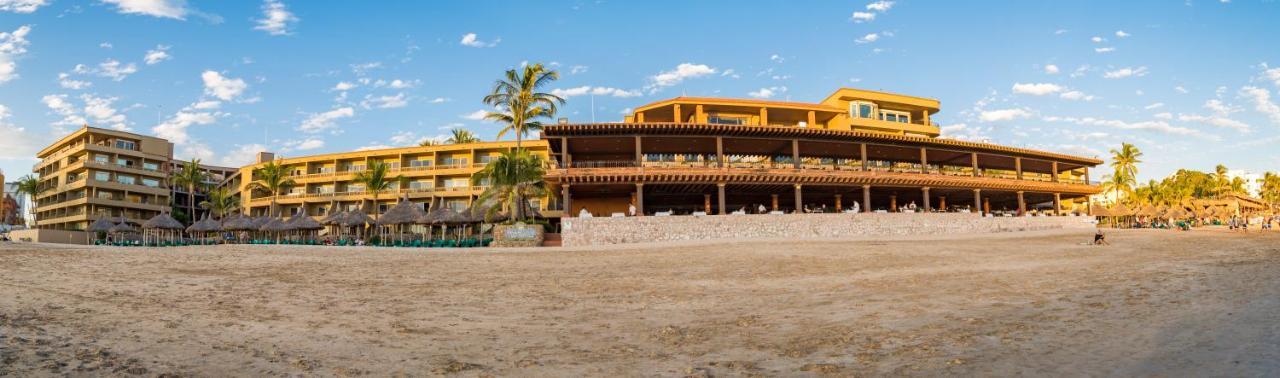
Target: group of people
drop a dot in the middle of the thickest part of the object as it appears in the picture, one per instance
(1242, 223)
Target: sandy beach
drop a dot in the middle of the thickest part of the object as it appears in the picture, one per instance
(1198, 303)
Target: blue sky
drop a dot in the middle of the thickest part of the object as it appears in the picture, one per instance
(1192, 83)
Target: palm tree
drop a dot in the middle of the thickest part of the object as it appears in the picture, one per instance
(219, 202)
(428, 143)
(29, 185)
(512, 177)
(1118, 183)
(1270, 191)
(1125, 160)
(273, 178)
(190, 176)
(462, 136)
(1221, 182)
(375, 181)
(520, 105)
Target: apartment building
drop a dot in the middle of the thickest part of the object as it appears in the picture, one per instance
(96, 172)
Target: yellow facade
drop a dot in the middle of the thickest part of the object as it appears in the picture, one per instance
(437, 173)
(846, 109)
(94, 173)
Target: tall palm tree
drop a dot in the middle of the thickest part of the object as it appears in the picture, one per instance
(428, 143)
(219, 202)
(1270, 188)
(190, 176)
(520, 105)
(274, 178)
(1125, 160)
(512, 177)
(29, 185)
(1118, 183)
(461, 136)
(375, 181)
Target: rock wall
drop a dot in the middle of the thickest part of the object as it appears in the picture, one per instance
(604, 231)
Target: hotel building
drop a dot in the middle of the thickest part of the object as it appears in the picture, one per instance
(440, 174)
(881, 150)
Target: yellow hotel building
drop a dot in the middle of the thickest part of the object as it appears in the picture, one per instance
(440, 174)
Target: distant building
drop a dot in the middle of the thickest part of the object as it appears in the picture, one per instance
(1251, 183)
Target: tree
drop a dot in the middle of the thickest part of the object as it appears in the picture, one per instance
(375, 181)
(273, 178)
(428, 143)
(512, 177)
(1221, 182)
(1118, 183)
(462, 136)
(29, 185)
(1270, 191)
(1125, 163)
(190, 176)
(520, 104)
(219, 202)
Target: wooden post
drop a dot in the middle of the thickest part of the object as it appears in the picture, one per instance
(924, 161)
(764, 116)
(863, 156)
(564, 154)
(775, 202)
(1017, 166)
(813, 119)
(675, 114)
(973, 157)
(699, 116)
(799, 199)
(639, 117)
(706, 204)
(925, 190)
(1057, 204)
(838, 207)
(942, 203)
(1055, 172)
(720, 152)
(977, 201)
(720, 198)
(893, 203)
(795, 153)
(866, 198)
(639, 155)
(986, 205)
(1022, 204)
(568, 202)
(640, 199)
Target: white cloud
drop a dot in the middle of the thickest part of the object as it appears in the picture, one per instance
(344, 86)
(872, 37)
(205, 105)
(777, 58)
(17, 143)
(860, 17)
(1163, 115)
(319, 122)
(385, 102)
(105, 45)
(1003, 115)
(678, 75)
(12, 45)
(65, 81)
(1122, 34)
(880, 6)
(1097, 39)
(175, 9)
(115, 70)
(302, 145)
(967, 132)
(363, 68)
(1154, 106)
(157, 55)
(471, 40)
(1036, 89)
(1103, 50)
(440, 100)
(1158, 126)
(731, 74)
(1181, 89)
(22, 6)
(175, 128)
(275, 18)
(1060, 31)
(767, 92)
(597, 91)
(1126, 72)
(1218, 121)
(222, 87)
(578, 69)
(242, 155)
(1051, 69)
(1220, 108)
(100, 112)
(476, 115)
(1272, 74)
(1261, 98)
(1077, 96)
(1081, 71)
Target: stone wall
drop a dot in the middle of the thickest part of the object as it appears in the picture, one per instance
(50, 236)
(604, 231)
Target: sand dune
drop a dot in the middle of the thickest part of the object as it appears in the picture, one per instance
(1155, 303)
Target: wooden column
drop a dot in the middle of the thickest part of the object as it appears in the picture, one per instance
(675, 114)
(720, 198)
(925, 190)
(973, 158)
(863, 155)
(799, 199)
(942, 203)
(986, 205)
(639, 155)
(564, 153)
(568, 202)
(977, 201)
(795, 153)
(706, 204)
(1057, 204)
(813, 119)
(1022, 204)
(1086, 176)
(640, 199)
(764, 116)
(893, 203)
(1017, 166)
(720, 152)
(699, 116)
(775, 202)
(639, 117)
(1054, 174)
(838, 207)
(924, 161)
(866, 198)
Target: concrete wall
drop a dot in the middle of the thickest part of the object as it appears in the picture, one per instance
(604, 231)
(49, 236)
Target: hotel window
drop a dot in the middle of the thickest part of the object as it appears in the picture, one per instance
(127, 180)
(862, 109)
(104, 159)
(895, 116)
(420, 185)
(355, 188)
(126, 145)
(151, 182)
(717, 118)
(124, 162)
(151, 166)
(102, 176)
(105, 195)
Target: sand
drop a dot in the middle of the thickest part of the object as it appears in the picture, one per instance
(1198, 303)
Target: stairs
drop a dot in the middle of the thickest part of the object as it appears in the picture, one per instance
(551, 240)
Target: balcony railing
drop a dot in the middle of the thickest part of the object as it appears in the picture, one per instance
(388, 194)
(841, 165)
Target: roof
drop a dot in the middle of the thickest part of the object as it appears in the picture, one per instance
(669, 128)
(740, 102)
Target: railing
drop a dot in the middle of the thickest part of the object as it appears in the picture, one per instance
(842, 165)
(387, 193)
(392, 170)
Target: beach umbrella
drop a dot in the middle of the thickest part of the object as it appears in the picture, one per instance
(274, 226)
(1099, 211)
(357, 219)
(305, 224)
(103, 224)
(161, 224)
(404, 212)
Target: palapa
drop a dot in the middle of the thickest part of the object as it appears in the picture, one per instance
(1099, 211)
(121, 228)
(162, 222)
(303, 222)
(356, 218)
(1120, 210)
(205, 225)
(404, 212)
(103, 224)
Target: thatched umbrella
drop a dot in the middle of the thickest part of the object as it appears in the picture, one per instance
(1099, 211)
(240, 223)
(103, 225)
(274, 226)
(404, 212)
(204, 227)
(161, 225)
(121, 229)
(450, 217)
(357, 219)
(305, 224)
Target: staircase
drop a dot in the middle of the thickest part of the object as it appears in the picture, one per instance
(551, 240)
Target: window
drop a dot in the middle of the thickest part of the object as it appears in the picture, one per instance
(420, 163)
(101, 159)
(717, 118)
(151, 166)
(420, 185)
(895, 116)
(126, 144)
(151, 182)
(127, 180)
(862, 109)
(105, 195)
(102, 176)
(124, 162)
